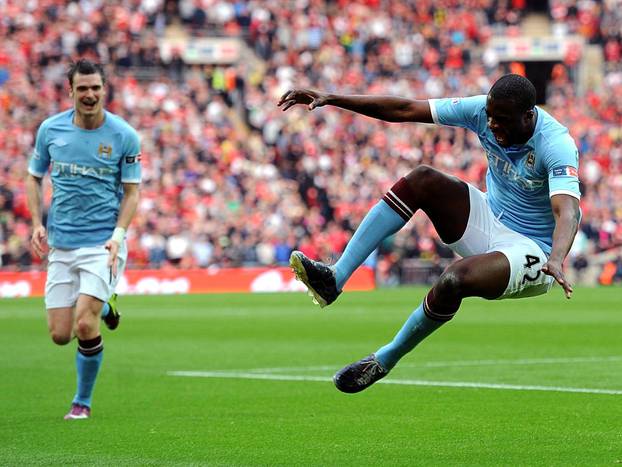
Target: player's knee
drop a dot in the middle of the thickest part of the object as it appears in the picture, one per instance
(84, 327)
(448, 285)
(422, 177)
(60, 338)
(456, 281)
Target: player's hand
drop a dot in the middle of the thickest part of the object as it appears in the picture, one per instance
(113, 250)
(307, 97)
(39, 241)
(554, 269)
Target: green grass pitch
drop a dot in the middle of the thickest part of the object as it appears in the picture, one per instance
(526, 382)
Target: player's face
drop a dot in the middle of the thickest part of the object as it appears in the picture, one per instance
(88, 94)
(508, 126)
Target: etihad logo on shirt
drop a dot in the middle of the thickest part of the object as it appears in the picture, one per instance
(67, 169)
(565, 171)
(104, 151)
(508, 171)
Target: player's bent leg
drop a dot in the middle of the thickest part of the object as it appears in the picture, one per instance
(60, 324)
(89, 355)
(485, 275)
(60, 296)
(96, 286)
(362, 374)
(443, 198)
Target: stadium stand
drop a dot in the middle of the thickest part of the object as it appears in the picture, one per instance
(230, 180)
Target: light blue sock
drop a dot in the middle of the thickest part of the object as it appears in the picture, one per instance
(105, 310)
(88, 367)
(416, 328)
(379, 223)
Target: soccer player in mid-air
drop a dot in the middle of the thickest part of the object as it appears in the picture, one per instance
(93, 157)
(512, 239)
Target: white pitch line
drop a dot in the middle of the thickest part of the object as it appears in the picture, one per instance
(457, 363)
(405, 382)
(522, 361)
(512, 387)
(241, 375)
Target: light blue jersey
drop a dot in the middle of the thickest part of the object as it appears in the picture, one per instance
(520, 179)
(88, 168)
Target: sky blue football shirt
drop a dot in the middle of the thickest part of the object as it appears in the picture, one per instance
(520, 179)
(88, 168)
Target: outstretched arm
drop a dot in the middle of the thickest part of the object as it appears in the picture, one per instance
(566, 213)
(387, 108)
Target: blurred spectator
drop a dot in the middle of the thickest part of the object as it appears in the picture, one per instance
(220, 190)
(612, 272)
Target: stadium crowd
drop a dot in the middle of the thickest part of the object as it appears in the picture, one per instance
(230, 180)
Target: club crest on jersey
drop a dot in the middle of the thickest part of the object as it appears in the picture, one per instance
(531, 160)
(104, 151)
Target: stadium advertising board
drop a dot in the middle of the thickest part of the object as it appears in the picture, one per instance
(173, 281)
(200, 50)
(547, 48)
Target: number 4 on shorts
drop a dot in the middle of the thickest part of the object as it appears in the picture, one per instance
(531, 261)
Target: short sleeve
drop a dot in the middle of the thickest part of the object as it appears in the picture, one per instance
(130, 162)
(562, 163)
(458, 111)
(40, 159)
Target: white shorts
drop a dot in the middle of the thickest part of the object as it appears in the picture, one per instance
(81, 271)
(485, 233)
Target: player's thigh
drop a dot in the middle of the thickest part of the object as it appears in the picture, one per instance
(526, 259)
(97, 283)
(96, 276)
(60, 324)
(478, 234)
(444, 199)
(62, 283)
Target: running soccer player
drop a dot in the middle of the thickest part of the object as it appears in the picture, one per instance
(95, 171)
(512, 239)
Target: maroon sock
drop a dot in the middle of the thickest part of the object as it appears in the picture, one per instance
(91, 347)
(437, 314)
(401, 199)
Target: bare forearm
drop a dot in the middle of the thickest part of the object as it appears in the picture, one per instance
(129, 203)
(566, 225)
(567, 214)
(387, 108)
(34, 196)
